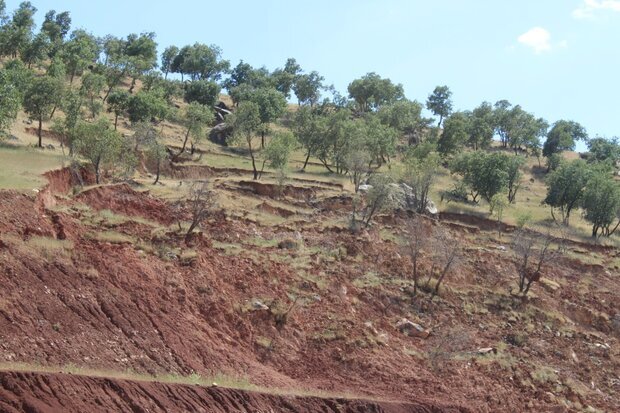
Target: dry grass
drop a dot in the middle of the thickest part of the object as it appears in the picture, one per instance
(21, 166)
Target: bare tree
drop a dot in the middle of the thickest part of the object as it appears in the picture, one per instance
(533, 251)
(357, 163)
(447, 254)
(201, 202)
(418, 234)
(378, 198)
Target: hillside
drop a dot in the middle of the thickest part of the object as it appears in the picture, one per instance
(99, 281)
(180, 234)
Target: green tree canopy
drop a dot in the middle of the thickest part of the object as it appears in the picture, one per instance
(42, 96)
(601, 203)
(80, 51)
(141, 54)
(379, 140)
(167, 58)
(604, 150)
(308, 87)
(118, 103)
(271, 106)
(481, 126)
(278, 151)
(16, 34)
(284, 79)
(36, 50)
(370, 92)
(245, 122)
(485, 174)
(440, 102)
(309, 128)
(55, 27)
(196, 117)
(146, 106)
(455, 133)
(98, 143)
(244, 75)
(204, 92)
(10, 102)
(200, 62)
(406, 117)
(566, 186)
(92, 85)
(562, 137)
(523, 130)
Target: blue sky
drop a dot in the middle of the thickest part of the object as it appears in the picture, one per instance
(559, 59)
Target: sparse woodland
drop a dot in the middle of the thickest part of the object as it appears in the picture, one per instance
(475, 210)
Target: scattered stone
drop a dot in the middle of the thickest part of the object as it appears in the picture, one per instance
(368, 325)
(258, 305)
(549, 285)
(364, 188)
(412, 329)
(487, 350)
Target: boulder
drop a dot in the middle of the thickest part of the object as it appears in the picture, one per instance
(402, 196)
(487, 350)
(220, 133)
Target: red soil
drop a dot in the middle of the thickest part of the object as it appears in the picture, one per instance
(51, 393)
(116, 307)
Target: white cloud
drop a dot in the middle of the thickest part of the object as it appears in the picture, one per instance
(537, 38)
(587, 11)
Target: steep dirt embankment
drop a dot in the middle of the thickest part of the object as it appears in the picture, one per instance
(48, 393)
(78, 289)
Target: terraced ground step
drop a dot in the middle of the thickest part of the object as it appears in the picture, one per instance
(36, 392)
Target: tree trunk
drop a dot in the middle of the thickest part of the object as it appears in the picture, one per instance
(610, 233)
(306, 161)
(158, 170)
(415, 275)
(133, 85)
(262, 169)
(262, 140)
(324, 162)
(253, 160)
(527, 287)
(115, 120)
(40, 132)
(97, 171)
(192, 226)
(107, 93)
(439, 280)
(185, 141)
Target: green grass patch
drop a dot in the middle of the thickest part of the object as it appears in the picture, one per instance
(369, 280)
(22, 167)
(112, 237)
